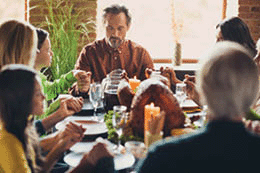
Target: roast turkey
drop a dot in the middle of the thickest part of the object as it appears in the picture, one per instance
(156, 90)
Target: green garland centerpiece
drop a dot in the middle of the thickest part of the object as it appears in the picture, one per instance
(113, 136)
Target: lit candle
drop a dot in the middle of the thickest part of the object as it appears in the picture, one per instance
(134, 83)
(149, 111)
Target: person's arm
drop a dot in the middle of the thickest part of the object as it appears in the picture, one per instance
(58, 86)
(67, 107)
(59, 143)
(57, 116)
(71, 129)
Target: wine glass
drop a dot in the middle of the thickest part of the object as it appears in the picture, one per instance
(119, 121)
(95, 96)
(181, 92)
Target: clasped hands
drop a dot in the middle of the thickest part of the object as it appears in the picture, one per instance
(83, 80)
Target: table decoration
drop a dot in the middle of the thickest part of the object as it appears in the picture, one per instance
(113, 136)
(134, 83)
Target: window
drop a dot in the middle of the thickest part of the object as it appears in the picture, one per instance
(12, 9)
(151, 25)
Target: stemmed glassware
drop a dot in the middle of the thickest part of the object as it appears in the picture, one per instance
(181, 92)
(95, 96)
(119, 121)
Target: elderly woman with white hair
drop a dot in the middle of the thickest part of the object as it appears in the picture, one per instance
(228, 83)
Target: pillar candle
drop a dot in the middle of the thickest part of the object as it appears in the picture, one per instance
(150, 110)
(134, 83)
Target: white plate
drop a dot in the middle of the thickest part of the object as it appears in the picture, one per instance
(121, 161)
(92, 129)
(84, 147)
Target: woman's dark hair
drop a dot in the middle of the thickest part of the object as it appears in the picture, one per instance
(17, 83)
(116, 9)
(42, 35)
(235, 29)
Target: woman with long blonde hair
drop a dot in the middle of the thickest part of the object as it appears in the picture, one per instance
(18, 43)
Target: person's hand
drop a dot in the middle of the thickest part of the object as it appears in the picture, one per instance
(148, 72)
(91, 159)
(63, 110)
(190, 85)
(125, 76)
(253, 126)
(72, 133)
(156, 123)
(191, 91)
(170, 74)
(75, 103)
(257, 59)
(83, 80)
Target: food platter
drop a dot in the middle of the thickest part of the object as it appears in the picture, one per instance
(93, 127)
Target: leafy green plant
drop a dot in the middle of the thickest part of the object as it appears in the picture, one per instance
(62, 22)
(113, 135)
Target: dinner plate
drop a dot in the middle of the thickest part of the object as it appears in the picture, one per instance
(88, 109)
(84, 147)
(93, 127)
(189, 104)
(121, 161)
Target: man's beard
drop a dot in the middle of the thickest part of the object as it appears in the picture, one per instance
(115, 42)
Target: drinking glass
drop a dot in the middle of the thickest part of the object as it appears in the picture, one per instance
(181, 92)
(119, 121)
(95, 96)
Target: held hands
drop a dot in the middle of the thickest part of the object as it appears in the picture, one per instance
(83, 79)
(69, 106)
(72, 134)
(192, 93)
(253, 126)
(90, 160)
(170, 74)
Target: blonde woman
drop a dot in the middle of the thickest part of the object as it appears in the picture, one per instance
(18, 45)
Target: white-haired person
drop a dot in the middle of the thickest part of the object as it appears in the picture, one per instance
(228, 83)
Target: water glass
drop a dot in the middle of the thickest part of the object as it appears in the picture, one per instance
(119, 121)
(95, 96)
(181, 92)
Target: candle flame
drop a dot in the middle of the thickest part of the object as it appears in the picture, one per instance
(134, 77)
(152, 104)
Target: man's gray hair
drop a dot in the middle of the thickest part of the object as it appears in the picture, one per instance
(228, 80)
(116, 9)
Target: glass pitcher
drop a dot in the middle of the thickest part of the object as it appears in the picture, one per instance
(109, 87)
(113, 78)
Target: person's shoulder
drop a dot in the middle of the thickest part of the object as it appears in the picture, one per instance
(175, 141)
(8, 142)
(8, 138)
(134, 45)
(95, 44)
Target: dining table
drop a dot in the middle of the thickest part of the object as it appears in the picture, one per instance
(124, 162)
